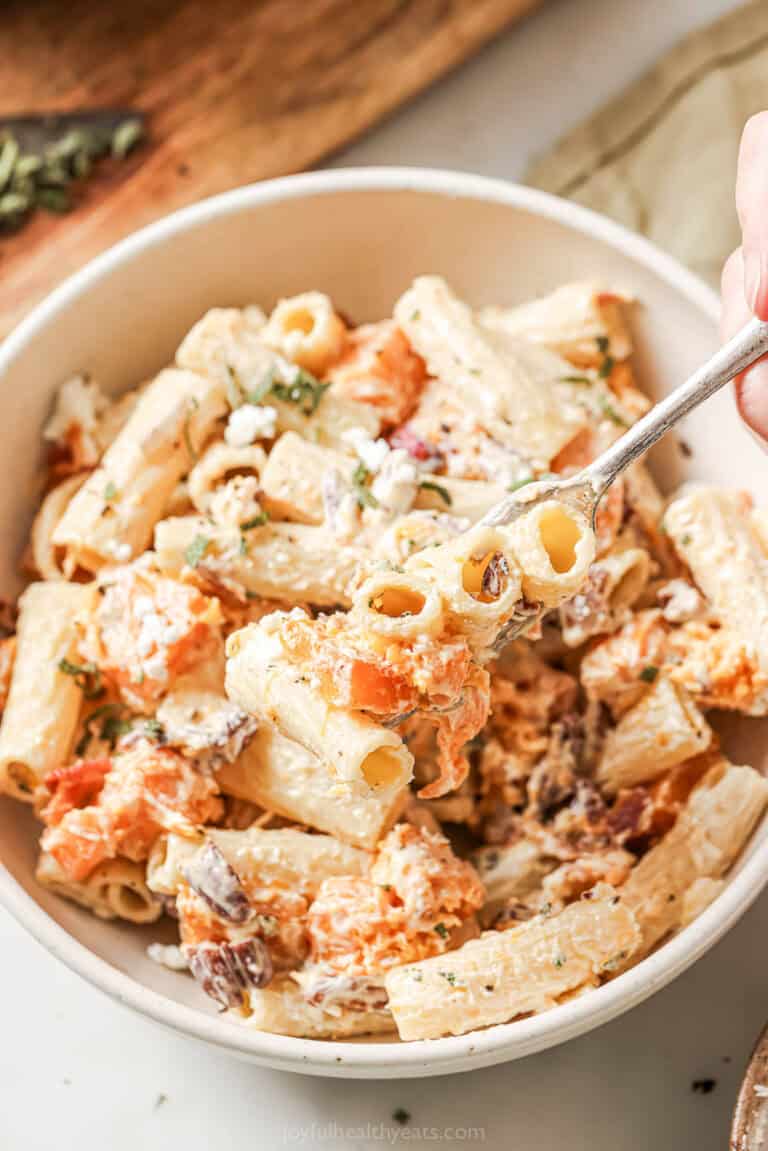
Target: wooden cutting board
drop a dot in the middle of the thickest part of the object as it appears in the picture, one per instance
(234, 91)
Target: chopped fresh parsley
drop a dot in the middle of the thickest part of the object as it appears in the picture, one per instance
(155, 729)
(417, 976)
(415, 315)
(363, 494)
(243, 545)
(608, 409)
(255, 522)
(441, 930)
(449, 976)
(235, 389)
(431, 486)
(111, 725)
(576, 380)
(517, 484)
(606, 367)
(685, 540)
(560, 960)
(305, 390)
(603, 344)
(196, 550)
(86, 675)
(110, 491)
(614, 962)
(649, 673)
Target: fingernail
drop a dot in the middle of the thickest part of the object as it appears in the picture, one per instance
(756, 281)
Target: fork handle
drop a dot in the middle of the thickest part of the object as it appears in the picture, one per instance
(748, 345)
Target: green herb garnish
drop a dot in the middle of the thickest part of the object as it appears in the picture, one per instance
(449, 976)
(685, 540)
(256, 522)
(560, 960)
(30, 180)
(603, 344)
(110, 491)
(576, 380)
(86, 675)
(649, 673)
(431, 486)
(363, 494)
(606, 367)
(608, 409)
(441, 930)
(155, 729)
(126, 136)
(196, 550)
(305, 391)
(517, 484)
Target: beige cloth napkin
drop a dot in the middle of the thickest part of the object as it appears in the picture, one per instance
(662, 157)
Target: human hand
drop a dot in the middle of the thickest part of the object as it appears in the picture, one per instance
(745, 275)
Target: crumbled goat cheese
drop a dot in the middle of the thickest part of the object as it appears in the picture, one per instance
(119, 551)
(155, 632)
(236, 502)
(396, 485)
(250, 422)
(373, 453)
(340, 507)
(167, 955)
(680, 601)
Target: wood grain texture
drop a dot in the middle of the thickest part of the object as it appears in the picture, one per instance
(234, 91)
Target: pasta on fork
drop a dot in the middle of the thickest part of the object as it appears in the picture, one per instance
(390, 769)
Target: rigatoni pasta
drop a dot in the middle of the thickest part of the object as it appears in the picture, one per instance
(387, 765)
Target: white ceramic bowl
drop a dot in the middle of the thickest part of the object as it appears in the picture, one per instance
(360, 235)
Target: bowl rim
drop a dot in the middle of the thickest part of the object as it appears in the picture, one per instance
(422, 1057)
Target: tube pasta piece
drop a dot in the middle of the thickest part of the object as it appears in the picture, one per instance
(166, 861)
(47, 559)
(504, 974)
(479, 580)
(307, 330)
(283, 776)
(116, 889)
(41, 714)
(707, 837)
(489, 380)
(112, 516)
(663, 729)
(295, 563)
(572, 321)
(553, 546)
(614, 583)
(469, 499)
(513, 871)
(218, 464)
(260, 858)
(713, 532)
(333, 1008)
(361, 754)
(398, 606)
(293, 480)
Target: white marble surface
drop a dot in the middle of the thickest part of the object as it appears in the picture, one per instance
(76, 1071)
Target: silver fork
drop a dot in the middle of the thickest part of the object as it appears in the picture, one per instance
(585, 489)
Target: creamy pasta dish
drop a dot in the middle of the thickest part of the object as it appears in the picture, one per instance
(388, 768)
